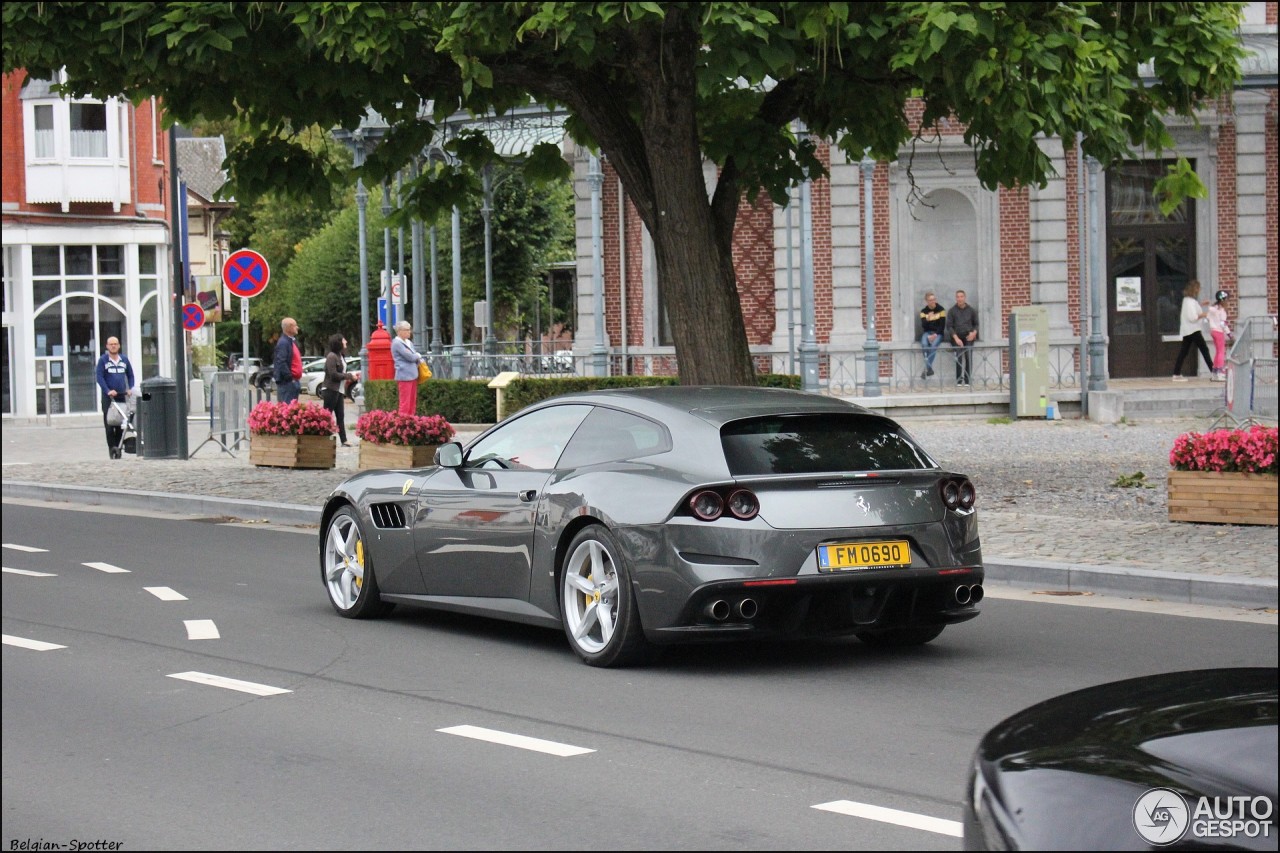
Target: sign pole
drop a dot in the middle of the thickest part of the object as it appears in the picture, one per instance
(244, 330)
(176, 293)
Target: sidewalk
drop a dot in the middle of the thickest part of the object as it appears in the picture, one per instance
(1048, 518)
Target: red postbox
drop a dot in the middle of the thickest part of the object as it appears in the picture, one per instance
(381, 365)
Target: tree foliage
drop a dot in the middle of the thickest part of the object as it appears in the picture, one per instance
(656, 87)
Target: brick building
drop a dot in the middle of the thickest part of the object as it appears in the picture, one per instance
(85, 244)
(1009, 248)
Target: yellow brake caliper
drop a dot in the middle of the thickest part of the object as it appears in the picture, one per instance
(360, 560)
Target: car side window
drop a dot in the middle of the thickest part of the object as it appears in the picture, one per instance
(535, 440)
(608, 435)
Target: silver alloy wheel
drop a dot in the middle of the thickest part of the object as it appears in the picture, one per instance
(344, 561)
(591, 596)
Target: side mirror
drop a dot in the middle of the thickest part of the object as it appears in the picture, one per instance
(449, 455)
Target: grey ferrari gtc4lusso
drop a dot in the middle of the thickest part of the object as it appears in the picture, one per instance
(642, 517)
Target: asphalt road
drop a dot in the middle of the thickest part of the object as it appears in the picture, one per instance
(108, 738)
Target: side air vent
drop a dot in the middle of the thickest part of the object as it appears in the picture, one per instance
(387, 515)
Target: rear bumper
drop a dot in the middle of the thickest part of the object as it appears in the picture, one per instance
(827, 605)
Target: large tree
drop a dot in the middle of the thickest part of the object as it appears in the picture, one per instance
(656, 87)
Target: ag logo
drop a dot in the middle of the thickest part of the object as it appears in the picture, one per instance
(1160, 816)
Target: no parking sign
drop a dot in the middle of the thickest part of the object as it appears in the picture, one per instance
(192, 316)
(246, 273)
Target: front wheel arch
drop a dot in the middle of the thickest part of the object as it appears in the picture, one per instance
(605, 632)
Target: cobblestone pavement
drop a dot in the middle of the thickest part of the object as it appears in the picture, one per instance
(1046, 489)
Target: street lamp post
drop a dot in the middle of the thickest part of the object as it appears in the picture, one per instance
(1097, 351)
(595, 178)
(459, 352)
(370, 130)
(437, 348)
(386, 249)
(486, 210)
(419, 277)
(871, 350)
(808, 349)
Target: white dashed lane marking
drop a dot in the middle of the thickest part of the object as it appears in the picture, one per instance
(201, 629)
(29, 573)
(26, 548)
(230, 683)
(164, 593)
(910, 819)
(106, 567)
(550, 747)
(34, 645)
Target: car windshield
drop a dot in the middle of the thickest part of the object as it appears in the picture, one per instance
(811, 444)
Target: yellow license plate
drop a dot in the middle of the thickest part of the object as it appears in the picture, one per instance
(864, 555)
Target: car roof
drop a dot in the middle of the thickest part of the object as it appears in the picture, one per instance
(715, 404)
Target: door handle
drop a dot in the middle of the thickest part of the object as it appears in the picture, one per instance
(528, 495)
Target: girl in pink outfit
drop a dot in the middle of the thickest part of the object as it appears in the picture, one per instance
(1220, 331)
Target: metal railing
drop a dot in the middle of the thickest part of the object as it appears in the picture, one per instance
(1251, 387)
(230, 398)
(900, 366)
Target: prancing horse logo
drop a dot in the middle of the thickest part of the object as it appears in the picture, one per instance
(863, 505)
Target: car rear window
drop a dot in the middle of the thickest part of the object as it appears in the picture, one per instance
(812, 444)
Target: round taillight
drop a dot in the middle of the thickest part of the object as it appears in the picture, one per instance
(707, 505)
(968, 494)
(951, 494)
(743, 504)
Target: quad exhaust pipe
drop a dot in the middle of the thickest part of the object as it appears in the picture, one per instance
(970, 594)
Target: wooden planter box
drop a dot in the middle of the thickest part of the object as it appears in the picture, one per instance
(396, 455)
(293, 451)
(1216, 497)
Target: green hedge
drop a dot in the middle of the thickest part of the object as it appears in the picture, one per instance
(461, 401)
(528, 390)
(471, 401)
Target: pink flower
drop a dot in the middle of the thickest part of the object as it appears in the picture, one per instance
(1252, 450)
(294, 418)
(382, 427)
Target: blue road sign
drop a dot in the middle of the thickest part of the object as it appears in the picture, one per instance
(388, 315)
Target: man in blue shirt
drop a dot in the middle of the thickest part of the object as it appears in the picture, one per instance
(115, 380)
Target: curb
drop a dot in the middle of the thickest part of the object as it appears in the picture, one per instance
(1181, 587)
(278, 513)
(1110, 580)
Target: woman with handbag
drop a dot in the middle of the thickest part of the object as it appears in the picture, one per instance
(406, 360)
(335, 379)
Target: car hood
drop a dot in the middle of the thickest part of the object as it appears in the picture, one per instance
(1068, 770)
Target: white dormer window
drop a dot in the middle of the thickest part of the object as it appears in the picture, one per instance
(77, 150)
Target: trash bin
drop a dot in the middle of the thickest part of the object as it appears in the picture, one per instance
(157, 417)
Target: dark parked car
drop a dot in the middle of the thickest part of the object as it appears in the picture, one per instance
(641, 517)
(1185, 760)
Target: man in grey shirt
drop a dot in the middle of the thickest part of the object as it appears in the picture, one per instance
(962, 332)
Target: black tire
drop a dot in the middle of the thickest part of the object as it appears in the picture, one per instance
(598, 604)
(346, 569)
(901, 637)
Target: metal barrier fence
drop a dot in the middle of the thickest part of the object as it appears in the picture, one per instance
(1251, 387)
(230, 398)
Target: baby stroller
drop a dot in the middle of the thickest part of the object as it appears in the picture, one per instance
(122, 415)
